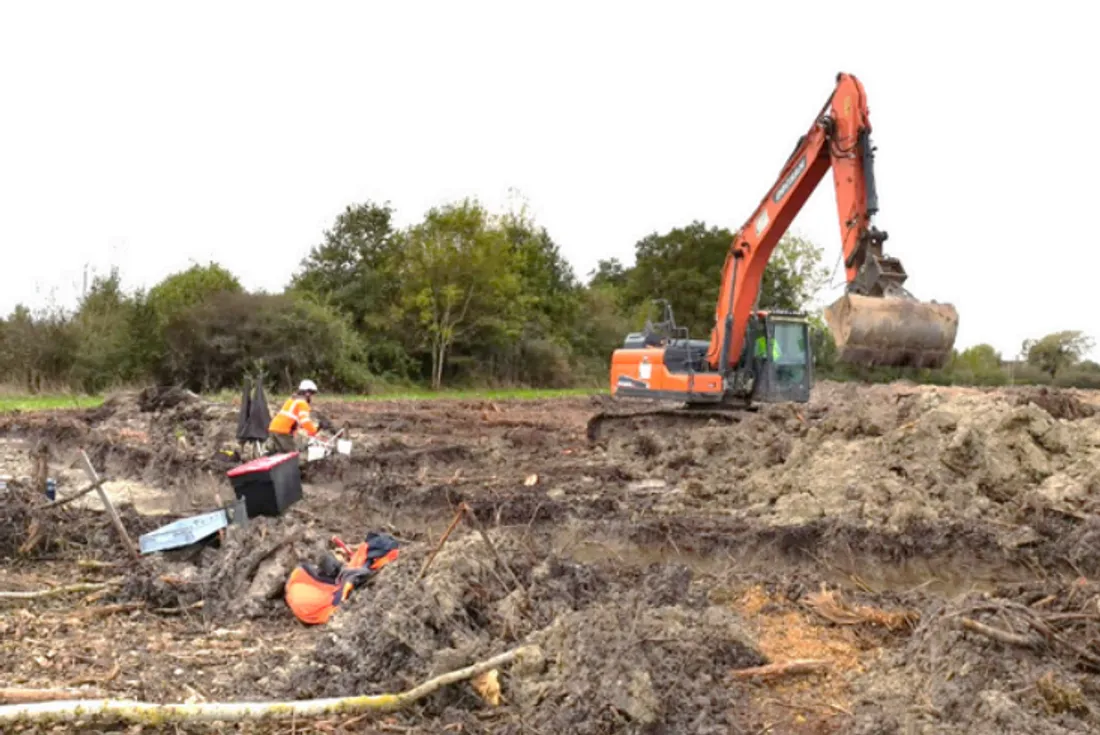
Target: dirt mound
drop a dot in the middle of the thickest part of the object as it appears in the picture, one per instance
(240, 577)
(1061, 404)
(625, 665)
(162, 437)
(623, 648)
(923, 455)
(161, 398)
(1023, 660)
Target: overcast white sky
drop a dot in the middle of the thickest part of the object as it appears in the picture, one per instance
(152, 136)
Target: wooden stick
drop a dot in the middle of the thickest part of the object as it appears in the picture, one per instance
(442, 540)
(109, 710)
(27, 696)
(108, 677)
(797, 666)
(123, 536)
(180, 610)
(52, 591)
(1002, 636)
(95, 564)
(1046, 630)
(65, 501)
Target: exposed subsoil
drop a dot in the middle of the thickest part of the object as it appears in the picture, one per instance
(932, 549)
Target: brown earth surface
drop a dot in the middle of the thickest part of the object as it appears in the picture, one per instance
(932, 550)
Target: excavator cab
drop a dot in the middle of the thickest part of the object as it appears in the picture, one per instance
(779, 357)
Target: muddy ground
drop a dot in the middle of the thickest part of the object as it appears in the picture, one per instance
(933, 551)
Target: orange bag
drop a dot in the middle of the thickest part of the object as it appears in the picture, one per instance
(313, 596)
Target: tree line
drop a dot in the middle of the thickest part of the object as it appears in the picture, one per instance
(464, 297)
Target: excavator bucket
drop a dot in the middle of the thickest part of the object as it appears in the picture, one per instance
(892, 331)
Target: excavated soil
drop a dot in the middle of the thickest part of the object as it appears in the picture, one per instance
(930, 550)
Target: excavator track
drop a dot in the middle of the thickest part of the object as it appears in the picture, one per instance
(602, 425)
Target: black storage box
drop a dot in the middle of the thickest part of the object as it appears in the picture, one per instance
(269, 485)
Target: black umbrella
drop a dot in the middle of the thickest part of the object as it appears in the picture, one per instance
(254, 418)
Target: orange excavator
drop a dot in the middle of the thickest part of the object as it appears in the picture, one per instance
(760, 356)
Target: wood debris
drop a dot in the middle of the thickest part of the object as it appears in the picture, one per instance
(831, 605)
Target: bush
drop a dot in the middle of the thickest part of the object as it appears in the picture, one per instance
(209, 346)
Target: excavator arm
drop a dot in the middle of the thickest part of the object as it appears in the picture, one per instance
(877, 321)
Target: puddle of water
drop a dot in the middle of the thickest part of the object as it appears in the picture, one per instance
(592, 551)
(944, 575)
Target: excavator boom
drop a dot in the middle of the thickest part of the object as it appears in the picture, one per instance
(876, 322)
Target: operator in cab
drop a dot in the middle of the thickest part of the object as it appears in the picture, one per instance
(762, 348)
(293, 417)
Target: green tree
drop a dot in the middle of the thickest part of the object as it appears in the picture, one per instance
(1058, 351)
(38, 348)
(822, 346)
(353, 266)
(190, 287)
(609, 272)
(978, 359)
(103, 339)
(794, 276)
(685, 264)
(546, 309)
(601, 331)
(458, 280)
(354, 270)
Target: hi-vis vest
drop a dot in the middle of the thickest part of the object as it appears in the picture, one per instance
(762, 349)
(293, 414)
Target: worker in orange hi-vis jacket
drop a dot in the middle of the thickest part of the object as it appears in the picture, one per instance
(292, 417)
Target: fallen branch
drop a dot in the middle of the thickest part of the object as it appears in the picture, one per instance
(770, 671)
(28, 696)
(108, 677)
(110, 710)
(1002, 636)
(53, 591)
(80, 494)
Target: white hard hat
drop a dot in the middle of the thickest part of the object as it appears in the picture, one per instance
(307, 385)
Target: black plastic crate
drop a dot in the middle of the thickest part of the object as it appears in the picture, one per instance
(269, 485)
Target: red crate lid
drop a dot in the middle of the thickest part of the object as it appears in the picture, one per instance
(260, 464)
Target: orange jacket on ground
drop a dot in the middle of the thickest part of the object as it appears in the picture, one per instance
(313, 599)
(293, 414)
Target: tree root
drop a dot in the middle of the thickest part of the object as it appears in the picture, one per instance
(1002, 636)
(145, 713)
